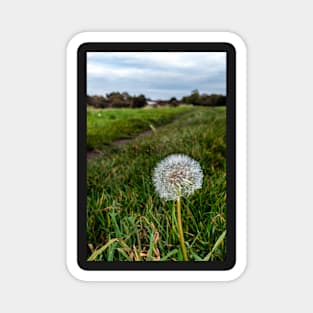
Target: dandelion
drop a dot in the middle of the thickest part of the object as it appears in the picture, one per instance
(177, 176)
(174, 177)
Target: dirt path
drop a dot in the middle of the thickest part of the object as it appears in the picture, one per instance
(145, 133)
(120, 142)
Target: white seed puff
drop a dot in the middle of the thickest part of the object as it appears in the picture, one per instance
(177, 175)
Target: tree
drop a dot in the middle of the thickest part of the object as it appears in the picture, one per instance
(139, 102)
(204, 99)
(97, 101)
(173, 102)
(118, 100)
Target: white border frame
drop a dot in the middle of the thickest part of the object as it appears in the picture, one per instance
(241, 157)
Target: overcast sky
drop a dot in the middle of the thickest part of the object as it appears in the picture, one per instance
(157, 75)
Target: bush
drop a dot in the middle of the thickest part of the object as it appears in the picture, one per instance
(139, 102)
(116, 100)
(204, 99)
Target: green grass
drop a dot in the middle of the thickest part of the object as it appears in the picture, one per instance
(105, 126)
(126, 219)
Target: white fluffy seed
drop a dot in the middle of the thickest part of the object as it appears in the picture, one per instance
(177, 175)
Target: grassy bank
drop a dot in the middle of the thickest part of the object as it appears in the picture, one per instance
(126, 218)
(105, 126)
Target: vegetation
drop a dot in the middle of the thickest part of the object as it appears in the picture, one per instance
(126, 219)
(204, 99)
(124, 100)
(117, 100)
(104, 126)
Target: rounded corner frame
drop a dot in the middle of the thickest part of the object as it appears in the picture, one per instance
(240, 265)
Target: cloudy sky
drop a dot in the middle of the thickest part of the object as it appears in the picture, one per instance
(157, 75)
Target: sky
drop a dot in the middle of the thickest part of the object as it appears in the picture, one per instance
(157, 75)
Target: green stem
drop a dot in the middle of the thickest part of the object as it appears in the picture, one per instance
(180, 229)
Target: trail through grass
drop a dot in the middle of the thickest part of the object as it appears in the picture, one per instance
(126, 219)
(105, 126)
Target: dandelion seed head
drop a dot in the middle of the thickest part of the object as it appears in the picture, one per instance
(177, 175)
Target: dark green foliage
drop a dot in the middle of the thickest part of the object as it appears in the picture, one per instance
(204, 99)
(116, 100)
(97, 101)
(124, 100)
(138, 102)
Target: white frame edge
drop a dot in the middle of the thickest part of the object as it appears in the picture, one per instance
(241, 157)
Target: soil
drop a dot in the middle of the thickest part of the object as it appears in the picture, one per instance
(120, 142)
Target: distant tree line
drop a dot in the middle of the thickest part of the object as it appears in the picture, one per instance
(124, 100)
(117, 100)
(204, 99)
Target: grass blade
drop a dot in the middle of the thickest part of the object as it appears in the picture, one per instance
(217, 243)
(97, 252)
(171, 253)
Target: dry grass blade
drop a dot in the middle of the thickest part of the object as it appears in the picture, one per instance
(97, 252)
(217, 243)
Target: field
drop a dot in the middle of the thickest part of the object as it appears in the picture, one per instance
(126, 219)
(105, 126)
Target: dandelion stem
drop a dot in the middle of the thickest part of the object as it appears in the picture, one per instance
(180, 229)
